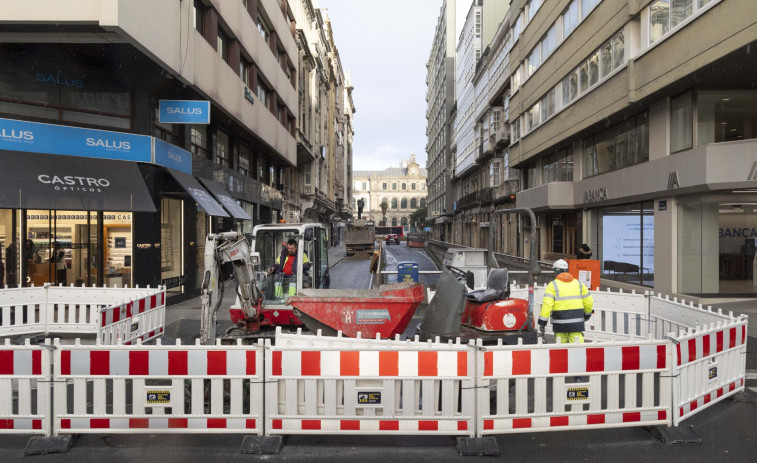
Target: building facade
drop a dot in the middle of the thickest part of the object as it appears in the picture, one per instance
(632, 127)
(83, 92)
(402, 189)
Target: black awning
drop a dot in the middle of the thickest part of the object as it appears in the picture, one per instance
(50, 181)
(198, 193)
(226, 199)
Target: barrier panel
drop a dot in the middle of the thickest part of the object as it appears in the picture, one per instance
(24, 389)
(77, 310)
(148, 389)
(527, 388)
(319, 386)
(142, 319)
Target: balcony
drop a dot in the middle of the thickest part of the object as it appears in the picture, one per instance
(500, 137)
(506, 191)
(477, 198)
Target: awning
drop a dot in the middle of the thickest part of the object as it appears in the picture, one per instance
(226, 199)
(198, 193)
(49, 181)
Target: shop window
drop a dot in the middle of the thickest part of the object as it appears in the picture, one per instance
(199, 140)
(222, 149)
(117, 255)
(681, 123)
(171, 239)
(627, 243)
(245, 160)
(726, 115)
(10, 239)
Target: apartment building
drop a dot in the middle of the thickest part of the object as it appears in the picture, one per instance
(402, 189)
(92, 165)
(632, 124)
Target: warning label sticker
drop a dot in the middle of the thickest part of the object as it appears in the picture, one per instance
(578, 393)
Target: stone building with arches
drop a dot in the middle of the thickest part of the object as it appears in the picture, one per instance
(403, 188)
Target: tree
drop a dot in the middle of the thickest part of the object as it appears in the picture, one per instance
(384, 206)
(418, 218)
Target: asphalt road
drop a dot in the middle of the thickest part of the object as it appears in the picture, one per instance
(726, 429)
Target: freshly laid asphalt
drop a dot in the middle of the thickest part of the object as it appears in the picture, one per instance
(727, 429)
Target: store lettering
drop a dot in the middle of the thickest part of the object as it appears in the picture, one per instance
(109, 144)
(42, 77)
(597, 194)
(738, 233)
(17, 134)
(74, 180)
(177, 110)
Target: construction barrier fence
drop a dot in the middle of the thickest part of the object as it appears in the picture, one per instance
(651, 361)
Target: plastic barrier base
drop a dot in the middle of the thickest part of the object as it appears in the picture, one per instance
(474, 446)
(46, 445)
(265, 445)
(675, 435)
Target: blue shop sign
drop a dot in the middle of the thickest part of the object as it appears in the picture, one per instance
(35, 137)
(172, 156)
(184, 112)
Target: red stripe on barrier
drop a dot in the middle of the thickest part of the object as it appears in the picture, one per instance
(732, 387)
(276, 424)
(389, 425)
(6, 362)
(521, 362)
(311, 424)
(36, 424)
(692, 345)
(719, 338)
(558, 360)
(693, 405)
(680, 411)
(216, 423)
(216, 362)
(349, 425)
(139, 363)
(743, 334)
(662, 357)
(706, 399)
(249, 424)
(428, 364)
(153, 301)
(631, 417)
(662, 415)
(252, 360)
(178, 423)
(388, 363)
(720, 392)
(152, 334)
(462, 425)
(310, 363)
(141, 305)
(631, 359)
(678, 351)
(595, 359)
(276, 364)
(706, 345)
(428, 426)
(6, 424)
(65, 424)
(99, 423)
(139, 423)
(116, 314)
(488, 363)
(559, 421)
(488, 424)
(595, 419)
(129, 310)
(732, 341)
(65, 362)
(462, 364)
(349, 363)
(103, 316)
(99, 362)
(178, 363)
(519, 423)
(36, 362)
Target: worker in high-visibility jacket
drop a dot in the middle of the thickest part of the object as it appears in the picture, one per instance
(568, 302)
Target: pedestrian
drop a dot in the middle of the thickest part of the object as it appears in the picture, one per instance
(584, 252)
(2, 271)
(60, 264)
(568, 302)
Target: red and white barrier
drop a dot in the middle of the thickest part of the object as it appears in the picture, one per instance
(382, 387)
(142, 319)
(177, 389)
(534, 387)
(25, 373)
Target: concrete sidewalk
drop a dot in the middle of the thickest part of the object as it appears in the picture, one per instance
(183, 318)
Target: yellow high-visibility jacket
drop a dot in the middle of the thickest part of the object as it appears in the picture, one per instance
(567, 301)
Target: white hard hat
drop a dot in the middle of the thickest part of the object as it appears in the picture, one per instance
(560, 265)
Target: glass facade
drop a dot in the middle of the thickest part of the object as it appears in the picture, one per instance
(171, 245)
(726, 115)
(626, 243)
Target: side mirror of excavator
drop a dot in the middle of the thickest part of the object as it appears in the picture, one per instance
(255, 259)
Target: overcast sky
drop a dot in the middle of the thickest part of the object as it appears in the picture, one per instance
(385, 44)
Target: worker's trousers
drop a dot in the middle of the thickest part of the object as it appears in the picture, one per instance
(571, 338)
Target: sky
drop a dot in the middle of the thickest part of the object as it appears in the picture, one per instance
(385, 44)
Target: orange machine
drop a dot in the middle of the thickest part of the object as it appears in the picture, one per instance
(586, 270)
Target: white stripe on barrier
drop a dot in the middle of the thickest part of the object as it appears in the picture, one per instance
(24, 389)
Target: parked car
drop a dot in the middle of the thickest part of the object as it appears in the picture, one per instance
(392, 238)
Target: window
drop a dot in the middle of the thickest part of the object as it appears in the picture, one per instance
(403, 203)
(245, 160)
(383, 186)
(164, 131)
(264, 94)
(394, 203)
(222, 45)
(264, 30)
(478, 24)
(726, 115)
(244, 70)
(394, 221)
(423, 203)
(404, 186)
(495, 177)
(199, 140)
(394, 186)
(412, 186)
(531, 9)
(197, 13)
(570, 18)
(222, 149)
(620, 146)
(534, 60)
(423, 186)
(413, 203)
(681, 123)
(587, 6)
(365, 186)
(558, 167)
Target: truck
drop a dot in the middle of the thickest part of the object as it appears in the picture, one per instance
(359, 237)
